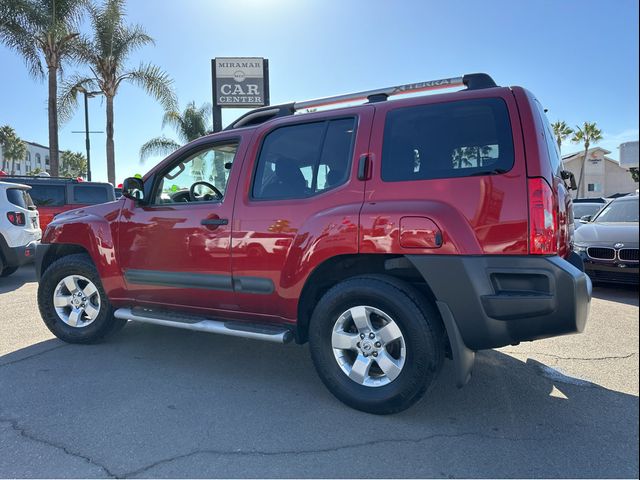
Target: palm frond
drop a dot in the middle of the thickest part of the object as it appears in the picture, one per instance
(173, 119)
(68, 95)
(158, 146)
(130, 39)
(18, 35)
(155, 82)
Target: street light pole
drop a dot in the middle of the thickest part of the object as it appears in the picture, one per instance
(87, 95)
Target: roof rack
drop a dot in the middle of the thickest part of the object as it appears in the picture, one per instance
(38, 177)
(473, 81)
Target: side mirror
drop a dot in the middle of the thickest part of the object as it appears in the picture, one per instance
(585, 218)
(567, 175)
(133, 188)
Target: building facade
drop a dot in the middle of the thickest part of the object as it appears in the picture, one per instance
(603, 176)
(36, 159)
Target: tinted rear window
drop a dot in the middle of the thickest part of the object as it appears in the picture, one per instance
(302, 160)
(48, 195)
(89, 195)
(19, 197)
(455, 139)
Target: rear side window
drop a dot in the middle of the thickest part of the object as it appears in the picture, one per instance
(303, 160)
(19, 197)
(48, 195)
(89, 195)
(455, 139)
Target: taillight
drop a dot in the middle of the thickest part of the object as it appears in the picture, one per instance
(543, 218)
(17, 218)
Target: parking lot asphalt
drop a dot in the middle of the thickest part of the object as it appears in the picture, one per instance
(159, 402)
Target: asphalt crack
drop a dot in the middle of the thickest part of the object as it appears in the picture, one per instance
(13, 362)
(585, 359)
(29, 436)
(264, 453)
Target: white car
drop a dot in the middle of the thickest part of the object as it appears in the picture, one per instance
(19, 227)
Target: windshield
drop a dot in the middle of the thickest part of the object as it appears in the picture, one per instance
(619, 211)
(582, 209)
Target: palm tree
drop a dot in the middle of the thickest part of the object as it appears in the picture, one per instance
(587, 134)
(106, 53)
(562, 131)
(13, 148)
(189, 125)
(43, 33)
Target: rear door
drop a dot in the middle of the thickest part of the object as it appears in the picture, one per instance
(298, 204)
(20, 202)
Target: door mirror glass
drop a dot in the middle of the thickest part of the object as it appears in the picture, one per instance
(133, 188)
(585, 218)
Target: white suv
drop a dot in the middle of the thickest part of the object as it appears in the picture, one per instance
(19, 227)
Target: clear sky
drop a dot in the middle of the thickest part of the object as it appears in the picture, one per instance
(580, 58)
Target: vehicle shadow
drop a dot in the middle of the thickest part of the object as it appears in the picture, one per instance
(25, 274)
(627, 294)
(172, 403)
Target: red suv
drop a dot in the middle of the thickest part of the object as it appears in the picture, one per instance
(54, 195)
(388, 235)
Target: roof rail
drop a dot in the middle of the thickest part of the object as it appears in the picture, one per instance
(38, 177)
(473, 81)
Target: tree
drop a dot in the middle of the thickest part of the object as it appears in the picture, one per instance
(635, 174)
(43, 32)
(189, 125)
(106, 53)
(562, 131)
(13, 148)
(73, 164)
(587, 134)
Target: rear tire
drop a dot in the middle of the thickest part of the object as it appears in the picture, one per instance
(73, 303)
(346, 352)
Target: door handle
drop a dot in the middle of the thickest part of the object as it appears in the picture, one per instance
(363, 167)
(214, 221)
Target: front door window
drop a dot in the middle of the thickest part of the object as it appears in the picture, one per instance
(201, 177)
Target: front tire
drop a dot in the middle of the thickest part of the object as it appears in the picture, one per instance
(376, 343)
(73, 303)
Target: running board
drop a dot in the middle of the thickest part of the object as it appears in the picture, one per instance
(269, 333)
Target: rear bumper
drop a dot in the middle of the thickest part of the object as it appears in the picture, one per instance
(502, 300)
(18, 256)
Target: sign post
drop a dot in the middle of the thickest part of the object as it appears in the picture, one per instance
(238, 82)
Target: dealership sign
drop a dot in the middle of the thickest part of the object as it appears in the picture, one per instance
(241, 82)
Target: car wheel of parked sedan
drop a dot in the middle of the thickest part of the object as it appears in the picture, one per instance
(377, 344)
(73, 303)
